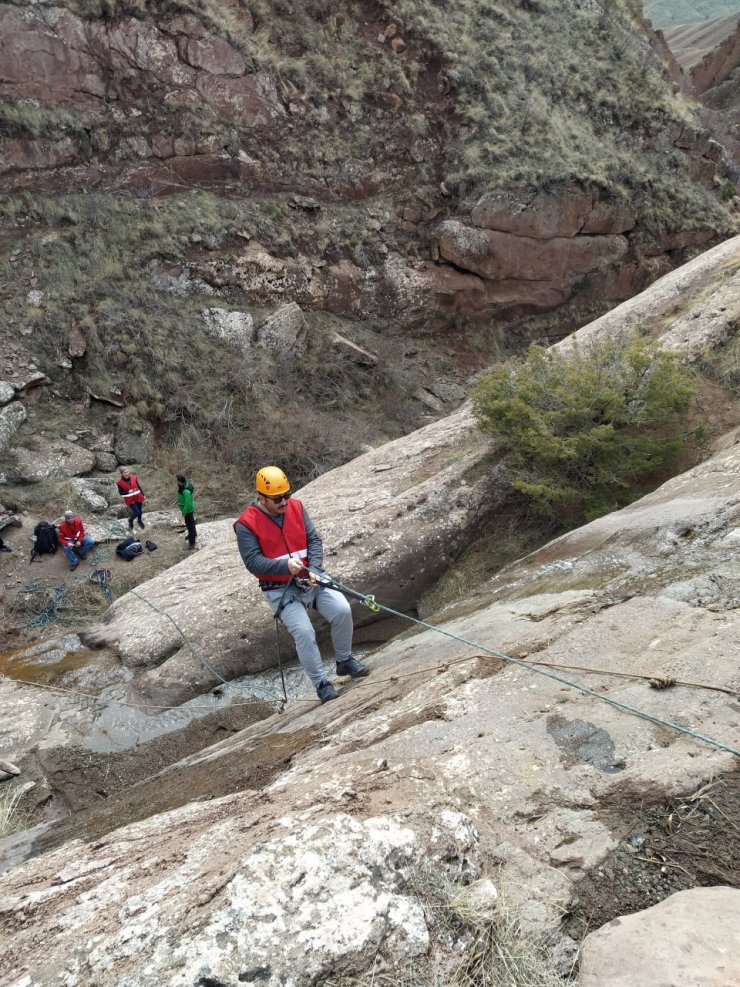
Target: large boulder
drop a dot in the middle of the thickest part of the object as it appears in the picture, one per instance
(133, 441)
(543, 215)
(693, 937)
(235, 327)
(12, 417)
(52, 460)
(407, 510)
(285, 330)
(499, 256)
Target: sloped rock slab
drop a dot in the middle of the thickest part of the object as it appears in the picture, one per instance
(693, 937)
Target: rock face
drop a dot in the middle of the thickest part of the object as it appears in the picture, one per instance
(410, 508)
(108, 68)
(693, 937)
(477, 760)
(83, 62)
(690, 329)
(516, 734)
(245, 902)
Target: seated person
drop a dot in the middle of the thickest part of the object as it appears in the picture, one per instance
(74, 541)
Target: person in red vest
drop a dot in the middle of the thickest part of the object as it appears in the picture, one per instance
(74, 541)
(133, 498)
(278, 542)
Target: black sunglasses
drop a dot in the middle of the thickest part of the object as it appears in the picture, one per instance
(278, 498)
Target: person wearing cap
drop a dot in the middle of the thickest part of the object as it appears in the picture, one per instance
(133, 497)
(75, 542)
(186, 503)
(278, 542)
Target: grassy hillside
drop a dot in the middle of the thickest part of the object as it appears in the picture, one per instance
(669, 13)
(563, 91)
(492, 93)
(481, 94)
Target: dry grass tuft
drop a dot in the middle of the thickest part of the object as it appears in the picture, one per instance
(12, 817)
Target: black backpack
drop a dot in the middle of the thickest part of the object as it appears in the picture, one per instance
(128, 549)
(46, 539)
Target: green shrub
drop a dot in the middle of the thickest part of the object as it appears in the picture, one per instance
(583, 428)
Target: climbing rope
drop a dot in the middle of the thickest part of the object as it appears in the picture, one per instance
(68, 602)
(368, 600)
(371, 603)
(189, 642)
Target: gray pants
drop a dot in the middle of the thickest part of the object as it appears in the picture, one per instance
(294, 615)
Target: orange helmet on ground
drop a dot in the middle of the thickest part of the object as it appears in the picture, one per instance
(271, 481)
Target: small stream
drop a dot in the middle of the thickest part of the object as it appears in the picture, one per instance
(98, 710)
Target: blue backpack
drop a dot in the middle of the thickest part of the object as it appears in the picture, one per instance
(128, 549)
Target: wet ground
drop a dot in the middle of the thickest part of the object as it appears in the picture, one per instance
(684, 843)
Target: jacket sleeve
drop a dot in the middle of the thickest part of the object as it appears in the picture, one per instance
(314, 543)
(254, 560)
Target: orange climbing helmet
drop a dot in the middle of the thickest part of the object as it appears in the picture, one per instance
(272, 481)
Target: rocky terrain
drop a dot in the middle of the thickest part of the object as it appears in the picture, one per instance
(708, 54)
(566, 745)
(216, 217)
(268, 231)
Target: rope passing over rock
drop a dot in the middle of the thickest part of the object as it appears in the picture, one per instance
(325, 579)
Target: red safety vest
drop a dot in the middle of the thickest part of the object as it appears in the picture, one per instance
(130, 490)
(72, 531)
(288, 542)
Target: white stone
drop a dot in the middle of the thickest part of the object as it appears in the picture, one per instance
(236, 327)
(7, 392)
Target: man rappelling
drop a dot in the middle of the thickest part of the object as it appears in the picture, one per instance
(280, 545)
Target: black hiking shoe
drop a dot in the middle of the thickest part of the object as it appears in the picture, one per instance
(140, 523)
(326, 691)
(352, 667)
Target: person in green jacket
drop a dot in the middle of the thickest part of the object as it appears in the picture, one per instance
(186, 503)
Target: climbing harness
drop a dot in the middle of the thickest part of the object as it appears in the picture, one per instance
(100, 576)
